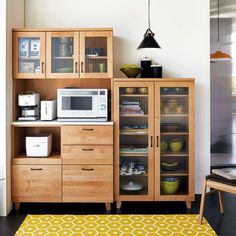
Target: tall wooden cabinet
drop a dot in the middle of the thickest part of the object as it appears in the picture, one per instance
(154, 140)
(45, 60)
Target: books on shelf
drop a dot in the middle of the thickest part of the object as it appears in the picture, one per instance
(130, 107)
(228, 173)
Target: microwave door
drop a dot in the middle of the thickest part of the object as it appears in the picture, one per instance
(79, 106)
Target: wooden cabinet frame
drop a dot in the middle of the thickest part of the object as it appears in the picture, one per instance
(150, 195)
(75, 36)
(154, 100)
(108, 35)
(15, 49)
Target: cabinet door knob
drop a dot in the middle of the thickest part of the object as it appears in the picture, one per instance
(151, 141)
(87, 169)
(42, 67)
(76, 67)
(36, 168)
(82, 67)
(157, 141)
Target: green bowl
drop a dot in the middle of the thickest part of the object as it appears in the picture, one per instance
(131, 72)
(169, 187)
(176, 145)
(168, 166)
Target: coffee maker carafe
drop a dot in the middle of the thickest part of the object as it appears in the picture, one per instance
(29, 103)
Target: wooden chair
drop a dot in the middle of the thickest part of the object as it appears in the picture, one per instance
(219, 184)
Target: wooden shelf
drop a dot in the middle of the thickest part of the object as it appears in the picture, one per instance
(134, 95)
(174, 173)
(54, 158)
(174, 95)
(133, 133)
(96, 57)
(171, 154)
(174, 115)
(63, 58)
(143, 175)
(133, 154)
(134, 115)
(174, 133)
(28, 58)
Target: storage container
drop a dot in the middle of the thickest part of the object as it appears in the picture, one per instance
(39, 145)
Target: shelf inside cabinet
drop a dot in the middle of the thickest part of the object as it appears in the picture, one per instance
(174, 173)
(134, 95)
(171, 154)
(95, 57)
(133, 154)
(63, 58)
(174, 133)
(141, 175)
(54, 158)
(174, 95)
(134, 115)
(28, 58)
(174, 115)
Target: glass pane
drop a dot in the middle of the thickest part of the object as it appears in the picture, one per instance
(134, 141)
(29, 55)
(174, 140)
(95, 54)
(62, 54)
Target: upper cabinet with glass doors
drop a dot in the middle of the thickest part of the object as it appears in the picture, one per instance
(29, 54)
(82, 53)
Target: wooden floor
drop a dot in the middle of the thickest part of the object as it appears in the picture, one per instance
(223, 224)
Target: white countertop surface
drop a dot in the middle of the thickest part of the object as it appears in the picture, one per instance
(59, 123)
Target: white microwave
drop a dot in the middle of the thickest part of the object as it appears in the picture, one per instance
(82, 104)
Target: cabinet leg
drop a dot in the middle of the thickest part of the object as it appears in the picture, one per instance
(118, 205)
(188, 204)
(108, 207)
(17, 206)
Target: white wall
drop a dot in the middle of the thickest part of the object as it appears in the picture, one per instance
(182, 30)
(11, 15)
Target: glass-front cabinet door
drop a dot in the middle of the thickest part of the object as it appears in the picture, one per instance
(29, 54)
(175, 152)
(62, 55)
(134, 154)
(96, 54)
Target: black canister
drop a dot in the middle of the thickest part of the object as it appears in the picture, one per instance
(156, 71)
(146, 69)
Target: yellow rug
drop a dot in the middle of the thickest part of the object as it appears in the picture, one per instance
(125, 225)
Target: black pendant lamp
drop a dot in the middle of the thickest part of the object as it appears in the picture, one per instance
(149, 40)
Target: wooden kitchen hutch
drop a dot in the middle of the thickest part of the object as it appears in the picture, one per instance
(153, 120)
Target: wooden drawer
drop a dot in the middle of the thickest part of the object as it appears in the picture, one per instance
(36, 183)
(87, 183)
(75, 154)
(83, 135)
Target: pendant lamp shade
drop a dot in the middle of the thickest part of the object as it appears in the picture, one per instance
(149, 40)
(219, 55)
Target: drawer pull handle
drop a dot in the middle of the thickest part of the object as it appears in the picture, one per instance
(87, 149)
(87, 169)
(87, 129)
(36, 168)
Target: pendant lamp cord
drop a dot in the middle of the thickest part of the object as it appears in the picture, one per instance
(218, 24)
(149, 14)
